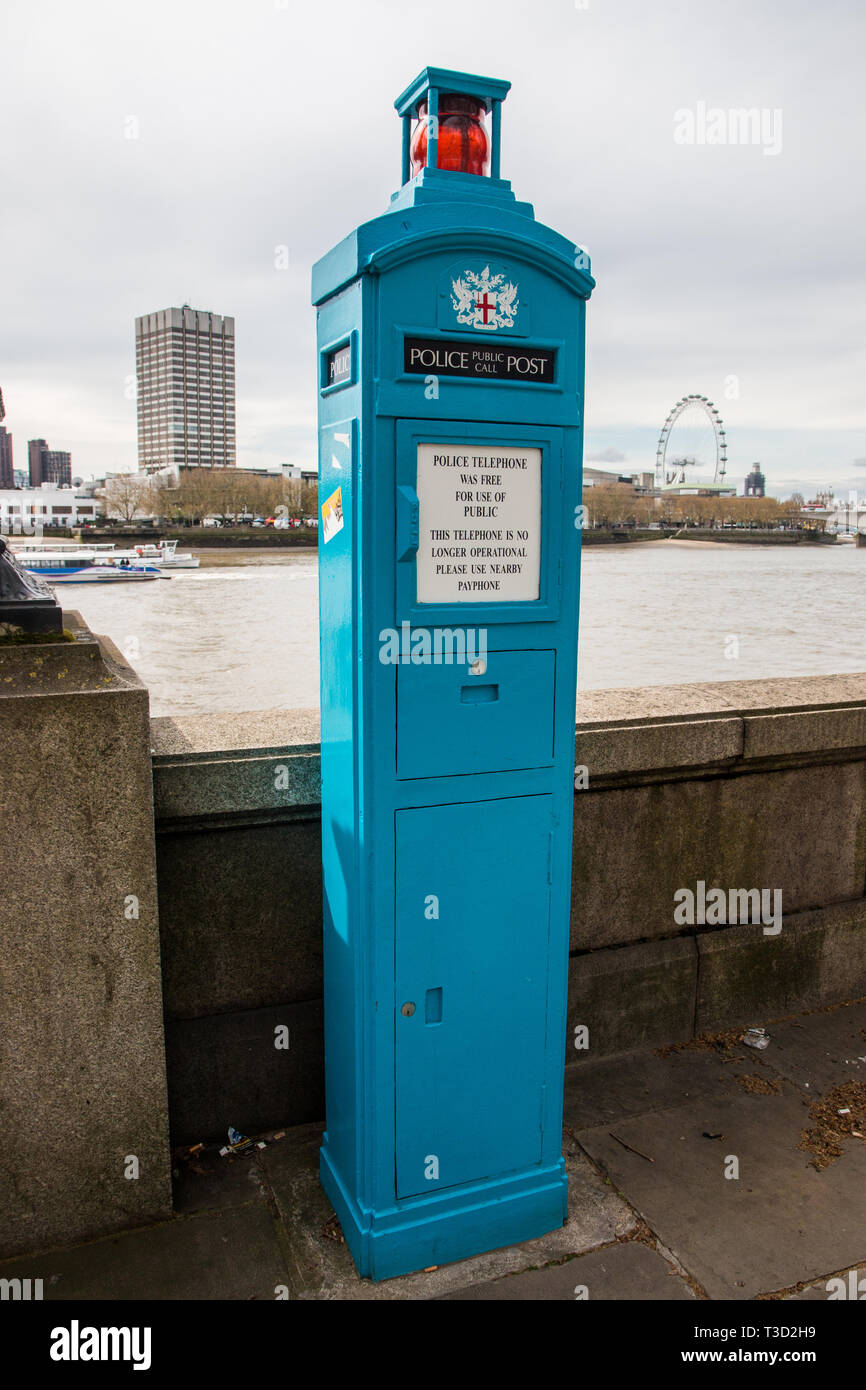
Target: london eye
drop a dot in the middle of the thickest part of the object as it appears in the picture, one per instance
(692, 442)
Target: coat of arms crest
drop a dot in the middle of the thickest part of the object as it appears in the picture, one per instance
(484, 301)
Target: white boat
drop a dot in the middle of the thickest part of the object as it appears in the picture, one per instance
(165, 556)
(85, 566)
(162, 556)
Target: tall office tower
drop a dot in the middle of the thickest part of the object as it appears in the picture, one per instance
(7, 472)
(185, 375)
(48, 465)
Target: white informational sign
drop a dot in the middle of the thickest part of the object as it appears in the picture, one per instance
(479, 528)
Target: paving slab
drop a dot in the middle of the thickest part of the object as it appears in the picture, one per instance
(820, 1050)
(612, 1089)
(245, 1227)
(321, 1266)
(781, 1222)
(234, 1254)
(208, 1182)
(628, 1271)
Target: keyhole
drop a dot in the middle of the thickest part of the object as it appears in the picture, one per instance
(408, 1010)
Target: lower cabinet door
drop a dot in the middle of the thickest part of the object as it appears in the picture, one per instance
(472, 944)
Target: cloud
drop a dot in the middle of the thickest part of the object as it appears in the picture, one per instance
(606, 456)
(184, 188)
(859, 463)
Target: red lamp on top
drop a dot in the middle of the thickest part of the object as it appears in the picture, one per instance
(463, 144)
(445, 124)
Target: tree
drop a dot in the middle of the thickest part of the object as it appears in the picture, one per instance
(610, 504)
(198, 494)
(126, 496)
(231, 491)
(310, 499)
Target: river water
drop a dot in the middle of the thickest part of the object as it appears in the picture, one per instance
(241, 633)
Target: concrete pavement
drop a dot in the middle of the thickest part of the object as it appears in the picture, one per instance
(707, 1170)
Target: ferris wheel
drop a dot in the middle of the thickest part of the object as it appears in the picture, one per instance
(693, 436)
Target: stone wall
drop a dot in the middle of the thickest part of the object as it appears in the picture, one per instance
(736, 784)
(82, 1062)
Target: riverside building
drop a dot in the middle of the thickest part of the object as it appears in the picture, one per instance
(25, 510)
(48, 465)
(185, 381)
(7, 471)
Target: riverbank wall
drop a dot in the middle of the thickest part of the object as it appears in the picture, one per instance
(602, 535)
(736, 536)
(162, 907)
(266, 538)
(212, 537)
(738, 785)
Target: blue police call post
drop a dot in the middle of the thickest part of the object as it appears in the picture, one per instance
(451, 371)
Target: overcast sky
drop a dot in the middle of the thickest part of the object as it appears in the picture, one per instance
(722, 269)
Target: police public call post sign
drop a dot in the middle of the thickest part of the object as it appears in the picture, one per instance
(478, 360)
(339, 365)
(451, 363)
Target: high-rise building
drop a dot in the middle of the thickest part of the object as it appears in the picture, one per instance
(756, 483)
(185, 377)
(48, 465)
(7, 471)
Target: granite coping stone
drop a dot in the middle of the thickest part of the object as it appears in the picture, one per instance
(597, 708)
(184, 738)
(87, 664)
(613, 750)
(232, 784)
(618, 732)
(800, 731)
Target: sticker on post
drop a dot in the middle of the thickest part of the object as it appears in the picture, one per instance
(332, 515)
